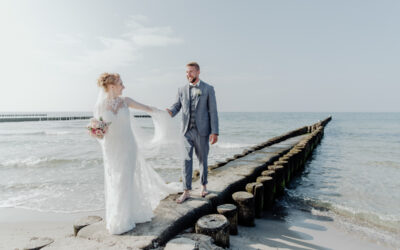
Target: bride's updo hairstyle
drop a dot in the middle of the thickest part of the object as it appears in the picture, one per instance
(107, 79)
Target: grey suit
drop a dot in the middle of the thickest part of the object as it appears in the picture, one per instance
(206, 123)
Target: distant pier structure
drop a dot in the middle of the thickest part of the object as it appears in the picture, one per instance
(62, 116)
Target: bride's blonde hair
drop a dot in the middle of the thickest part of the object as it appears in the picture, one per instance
(107, 79)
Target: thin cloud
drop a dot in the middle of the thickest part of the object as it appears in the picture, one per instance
(121, 50)
(144, 36)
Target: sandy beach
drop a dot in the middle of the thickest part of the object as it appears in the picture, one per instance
(290, 229)
(18, 226)
(296, 229)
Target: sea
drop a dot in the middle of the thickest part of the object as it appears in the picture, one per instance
(353, 176)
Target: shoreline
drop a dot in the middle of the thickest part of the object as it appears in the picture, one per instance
(292, 228)
(29, 215)
(283, 228)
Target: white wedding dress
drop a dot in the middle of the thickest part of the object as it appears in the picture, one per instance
(133, 189)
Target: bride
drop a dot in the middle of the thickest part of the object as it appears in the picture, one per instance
(132, 188)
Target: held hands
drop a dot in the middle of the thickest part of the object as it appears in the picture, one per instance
(169, 112)
(213, 139)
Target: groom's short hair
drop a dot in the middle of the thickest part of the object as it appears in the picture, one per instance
(193, 64)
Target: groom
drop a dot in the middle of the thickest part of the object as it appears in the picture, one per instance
(199, 125)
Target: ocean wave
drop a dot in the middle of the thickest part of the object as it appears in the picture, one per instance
(23, 133)
(23, 186)
(30, 161)
(49, 132)
(46, 208)
(44, 162)
(379, 228)
(57, 210)
(389, 223)
(391, 164)
(58, 132)
(46, 197)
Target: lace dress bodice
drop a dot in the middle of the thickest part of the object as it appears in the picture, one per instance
(117, 112)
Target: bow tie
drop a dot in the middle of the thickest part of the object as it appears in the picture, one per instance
(195, 86)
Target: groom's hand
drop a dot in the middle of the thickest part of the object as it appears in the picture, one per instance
(169, 112)
(213, 138)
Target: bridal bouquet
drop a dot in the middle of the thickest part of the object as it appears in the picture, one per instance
(98, 128)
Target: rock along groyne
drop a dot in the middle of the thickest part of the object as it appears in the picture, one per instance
(280, 159)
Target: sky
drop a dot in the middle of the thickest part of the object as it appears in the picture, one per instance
(260, 56)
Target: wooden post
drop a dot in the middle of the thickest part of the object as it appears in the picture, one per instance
(230, 211)
(257, 189)
(270, 173)
(279, 179)
(245, 203)
(296, 160)
(216, 226)
(290, 159)
(285, 165)
(268, 184)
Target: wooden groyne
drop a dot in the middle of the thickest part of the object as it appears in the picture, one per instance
(268, 166)
(28, 117)
(33, 119)
(45, 117)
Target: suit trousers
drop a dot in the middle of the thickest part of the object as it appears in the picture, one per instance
(201, 148)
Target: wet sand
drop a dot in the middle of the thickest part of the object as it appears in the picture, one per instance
(296, 229)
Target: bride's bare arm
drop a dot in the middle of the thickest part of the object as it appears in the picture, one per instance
(136, 105)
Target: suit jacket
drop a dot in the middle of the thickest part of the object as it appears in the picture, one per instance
(205, 108)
